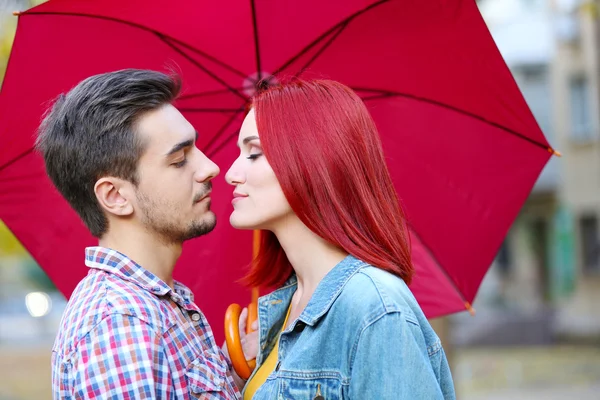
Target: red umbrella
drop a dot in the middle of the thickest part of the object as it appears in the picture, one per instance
(462, 145)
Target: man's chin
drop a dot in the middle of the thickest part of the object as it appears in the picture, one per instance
(203, 226)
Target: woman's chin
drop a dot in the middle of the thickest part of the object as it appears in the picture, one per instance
(239, 223)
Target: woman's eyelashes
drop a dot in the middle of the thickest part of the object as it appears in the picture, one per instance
(254, 156)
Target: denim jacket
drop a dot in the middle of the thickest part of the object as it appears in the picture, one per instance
(361, 336)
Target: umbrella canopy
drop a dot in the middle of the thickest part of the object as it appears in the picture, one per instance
(463, 147)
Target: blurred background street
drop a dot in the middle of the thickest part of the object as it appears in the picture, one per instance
(536, 331)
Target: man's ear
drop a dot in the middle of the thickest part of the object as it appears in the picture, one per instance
(114, 196)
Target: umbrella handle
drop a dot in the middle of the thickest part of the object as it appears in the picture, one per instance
(242, 367)
(232, 328)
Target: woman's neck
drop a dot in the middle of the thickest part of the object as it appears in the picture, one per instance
(310, 255)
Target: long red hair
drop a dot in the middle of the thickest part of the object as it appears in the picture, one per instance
(323, 146)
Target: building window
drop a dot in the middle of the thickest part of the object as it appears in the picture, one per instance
(503, 258)
(581, 117)
(533, 4)
(590, 243)
(534, 84)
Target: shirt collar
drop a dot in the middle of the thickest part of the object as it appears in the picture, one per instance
(120, 265)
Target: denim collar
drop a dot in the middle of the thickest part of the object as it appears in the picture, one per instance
(325, 294)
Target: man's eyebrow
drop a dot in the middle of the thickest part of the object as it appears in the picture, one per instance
(181, 145)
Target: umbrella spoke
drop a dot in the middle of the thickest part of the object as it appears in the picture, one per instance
(322, 49)
(256, 42)
(326, 34)
(210, 110)
(436, 262)
(207, 148)
(17, 158)
(382, 94)
(200, 66)
(162, 36)
(224, 142)
(210, 93)
(208, 56)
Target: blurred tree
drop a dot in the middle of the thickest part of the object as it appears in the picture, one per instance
(8, 27)
(9, 245)
(36, 277)
(29, 270)
(6, 39)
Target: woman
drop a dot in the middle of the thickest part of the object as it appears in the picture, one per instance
(342, 324)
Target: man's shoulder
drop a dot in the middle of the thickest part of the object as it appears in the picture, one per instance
(102, 295)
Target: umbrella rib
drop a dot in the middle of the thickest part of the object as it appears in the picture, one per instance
(441, 267)
(209, 110)
(19, 178)
(210, 93)
(220, 146)
(200, 66)
(17, 158)
(208, 56)
(327, 33)
(216, 136)
(322, 49)
(385, 94)
(139, 26)
(256, 41)
(377, 96)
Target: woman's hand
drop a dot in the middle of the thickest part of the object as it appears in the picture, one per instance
(249, 345)
(250, 340)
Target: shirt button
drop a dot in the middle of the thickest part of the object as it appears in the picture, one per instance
(196, 317)
(156, 289)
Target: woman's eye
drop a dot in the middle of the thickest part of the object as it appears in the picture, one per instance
(254, 156)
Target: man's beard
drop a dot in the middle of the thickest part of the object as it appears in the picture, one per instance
(159, 217)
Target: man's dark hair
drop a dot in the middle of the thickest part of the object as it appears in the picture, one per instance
(90, 133)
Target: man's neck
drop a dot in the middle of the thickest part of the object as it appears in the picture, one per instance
(146, 250)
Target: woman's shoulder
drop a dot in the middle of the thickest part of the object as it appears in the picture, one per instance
(373, 291)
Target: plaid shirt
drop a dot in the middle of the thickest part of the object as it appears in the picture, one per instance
(125, 334)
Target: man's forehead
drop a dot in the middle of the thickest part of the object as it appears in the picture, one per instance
(164, 128)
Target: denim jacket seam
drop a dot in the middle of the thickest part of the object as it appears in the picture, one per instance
(389, 305)
(372, 319)
(432, 349)
(288, 284)
(435, 348)
(291, 281)
(308, 375)
(263, 321)
(357, 266)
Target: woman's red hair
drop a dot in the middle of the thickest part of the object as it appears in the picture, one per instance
(324, 148)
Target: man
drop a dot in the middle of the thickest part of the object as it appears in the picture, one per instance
(126, 161)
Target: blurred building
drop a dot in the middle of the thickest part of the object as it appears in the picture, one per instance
(576, 80)
(545, 281)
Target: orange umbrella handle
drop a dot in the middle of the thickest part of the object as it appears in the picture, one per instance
(232, 337)
(252, 316)
(232, 328)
